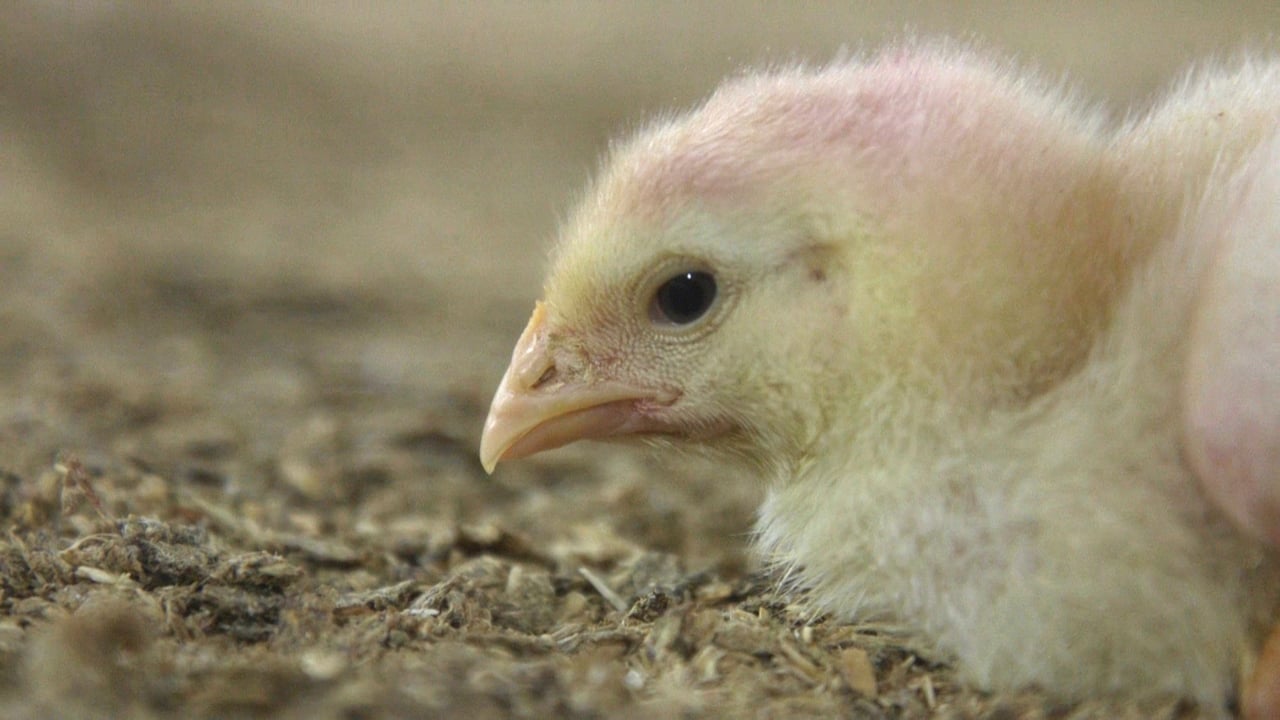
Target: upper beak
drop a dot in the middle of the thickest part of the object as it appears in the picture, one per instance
(539, 406)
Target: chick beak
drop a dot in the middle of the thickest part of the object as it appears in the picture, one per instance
(539, 405)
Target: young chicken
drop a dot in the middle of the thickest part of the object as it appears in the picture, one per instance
(1012, 376)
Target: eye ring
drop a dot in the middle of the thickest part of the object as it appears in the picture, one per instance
(683, 298)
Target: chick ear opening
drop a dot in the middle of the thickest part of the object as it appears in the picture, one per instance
(818, 261)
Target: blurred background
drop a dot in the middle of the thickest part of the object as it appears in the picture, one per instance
(261, 267)
(232, 204)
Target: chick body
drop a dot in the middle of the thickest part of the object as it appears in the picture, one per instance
(1066, 542)
(953, 335)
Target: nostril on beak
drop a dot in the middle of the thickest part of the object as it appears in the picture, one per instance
(536, 371)
(547, 376)
(532, 363)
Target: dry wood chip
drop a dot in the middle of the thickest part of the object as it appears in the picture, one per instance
(257, 569)
(714, 591)
(490, 538)
(617, 601)
(573, 607)
(318, 550)
(322, 664)
(595, 543)
(706, 664)
(898, 676)
(856, 669)
(310, 458)
(799, 663)
(76, 486)
(375, 600)
(925, 685)
(744, 637)
(663, 635)
(224, 518)
(105, 577)
(519, 642)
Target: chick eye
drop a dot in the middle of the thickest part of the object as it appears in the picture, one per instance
(684, 298)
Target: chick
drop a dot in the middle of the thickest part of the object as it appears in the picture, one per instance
(1011, 376)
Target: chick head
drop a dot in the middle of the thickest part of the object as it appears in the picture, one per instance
(774, 270)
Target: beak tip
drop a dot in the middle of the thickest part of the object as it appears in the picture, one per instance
(495, 440)
(489, 456)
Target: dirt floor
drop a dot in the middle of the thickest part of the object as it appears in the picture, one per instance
(260, 269)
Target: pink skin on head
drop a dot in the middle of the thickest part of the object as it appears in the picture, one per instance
(893, 119)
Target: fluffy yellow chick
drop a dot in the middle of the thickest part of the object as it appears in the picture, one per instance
(1012, 376)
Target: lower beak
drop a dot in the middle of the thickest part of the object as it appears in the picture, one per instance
(536, 408)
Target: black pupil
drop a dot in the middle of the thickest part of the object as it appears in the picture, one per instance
(686, 297)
